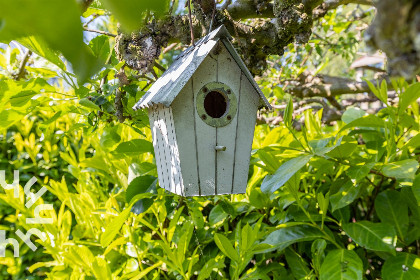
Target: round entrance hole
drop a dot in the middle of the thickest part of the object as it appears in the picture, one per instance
(215, 104)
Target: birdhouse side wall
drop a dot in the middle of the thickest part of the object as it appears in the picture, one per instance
(166, 149)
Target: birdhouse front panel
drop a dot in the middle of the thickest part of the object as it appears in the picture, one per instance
(214, 105)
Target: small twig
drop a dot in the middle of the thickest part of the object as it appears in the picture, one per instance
(334, 102)
(94, 16)
(168, 48)
(160, 67)
(21, 72)
(191, 26)
(212, 17)
(119, 109)
(145, 77)
(154, 74)
(225, 4)
(148, 84)
(377, 188)
(100, 32)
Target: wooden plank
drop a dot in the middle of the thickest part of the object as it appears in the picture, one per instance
(157, 145)
(176, 174)
(229, 73)
(183, 110)
(205, 134)
(165, 147)
(247, 114)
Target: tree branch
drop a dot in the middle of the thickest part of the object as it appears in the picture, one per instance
(21, 72)
(326, 86)
(322, 9)
(100, 32)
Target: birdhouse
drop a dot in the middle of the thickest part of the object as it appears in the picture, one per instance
(202, 113)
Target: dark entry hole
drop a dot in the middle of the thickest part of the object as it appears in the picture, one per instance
(215, 104)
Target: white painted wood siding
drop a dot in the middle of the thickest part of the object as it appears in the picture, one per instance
(247, 114)
(183, 110)
(166, 149)
(184, 144)
(229, 73)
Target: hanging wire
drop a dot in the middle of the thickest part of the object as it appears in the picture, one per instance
(191, 26)
(212, 17)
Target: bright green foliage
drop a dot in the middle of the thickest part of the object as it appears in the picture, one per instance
(323, 202)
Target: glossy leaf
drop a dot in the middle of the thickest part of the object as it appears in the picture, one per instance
(409, 96)
(341, 264)
(391, 208)
(404, 169)
(403, 266)
(226, 247)
(284, 237)
(284, 173)
(373, 236)
(133, 148)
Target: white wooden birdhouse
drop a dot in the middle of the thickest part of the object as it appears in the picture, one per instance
(202, 114)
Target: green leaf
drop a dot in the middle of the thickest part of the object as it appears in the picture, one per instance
(226, 247)
(343, 150)
(391, 208)
(416, 189)
(101, 269)
(141, 184)
(114, 227)
(22, 98)
(284, 173)
(284, 237)
(10, 117)
(409, 96)
(383, 92)
(133, 148)
(403, 266)
(131, 13)
(88, 104)
(413, 142)
(341, 264)
(57, 23)
(101, 47)
(38, 46)
(347, 193)
(372, 236)
(359, 172)
(217, 214)
(367, 121)
(288, 113)
(297, 264)
(404, 169)
(352, 113)
(207, 269)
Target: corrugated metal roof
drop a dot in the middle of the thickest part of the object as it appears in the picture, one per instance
(169, 85)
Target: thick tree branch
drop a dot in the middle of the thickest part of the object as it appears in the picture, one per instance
(323, 8)
(326, 86)
(244, 9)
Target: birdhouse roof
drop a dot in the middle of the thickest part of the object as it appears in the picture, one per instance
(170, 84)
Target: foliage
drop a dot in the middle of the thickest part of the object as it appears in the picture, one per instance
(323, 202)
